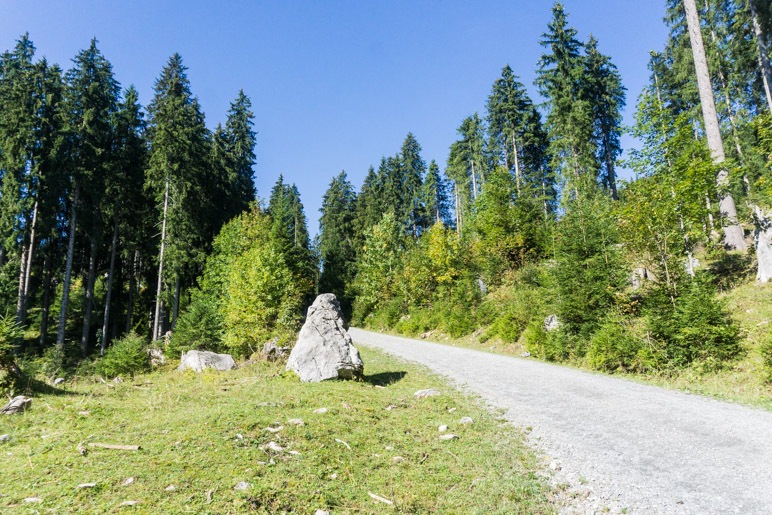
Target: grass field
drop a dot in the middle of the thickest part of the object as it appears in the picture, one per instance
(206, 447)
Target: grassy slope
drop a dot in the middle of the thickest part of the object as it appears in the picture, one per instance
(741, 381)
(189, 425)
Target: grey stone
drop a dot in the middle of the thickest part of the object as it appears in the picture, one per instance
(157, 357)
(198, 360)
(58, 381)
(466, 420)
(273, 352)
(17, 405)
(551, 323)
(431, 392)
(324, 349)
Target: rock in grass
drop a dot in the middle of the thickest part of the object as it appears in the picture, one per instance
(129, 503)
(466, 421)
(4, 438)
(296, 422)
(58, 381)
(442, 428)
(198, 360)
(324, 349)
(321, 411)
(431, 392)
(17, 405)
(242, 485)
(321, 512)
(449, 436)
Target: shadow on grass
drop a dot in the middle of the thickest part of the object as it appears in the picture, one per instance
(31, 386)
(385, 378)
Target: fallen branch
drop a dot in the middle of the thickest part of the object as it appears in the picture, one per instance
(115, 446)
(379, 498)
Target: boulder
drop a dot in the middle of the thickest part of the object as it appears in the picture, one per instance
(17, 405)
(551, 323)
(324, 349)
(198, 360)
(157, 357)
(273, 352)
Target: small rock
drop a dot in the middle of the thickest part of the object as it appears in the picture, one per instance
(87, 485)
(525, 355)
(334, 476)
(321, 411)
(270, 404)
(239, 436)
(242, 485)
(157, 357)
(170, 488)
(442, 428)
(449, 436)
(398, 459)
(451, 410)
(117, 379)
(389, 447)
(198, 360)
(274, 429)
(5, 438)
(273, 446)
(294, 453)
(18, 404)
(128, 481)
(33, 499)
(296, 422)
(554, 466)
(84, 413)
(129, 503)
(272, 352)
(321, 512)
(431, 392)
(58, 381)
(466, 420)
(551, 323)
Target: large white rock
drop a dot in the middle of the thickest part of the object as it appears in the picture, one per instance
(198, 360)
(324, 349)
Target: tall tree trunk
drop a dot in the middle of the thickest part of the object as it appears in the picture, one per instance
(176, 308)
(132, 290)
(517, 165)
(763, 57)
(733, 233)
(88, 305)
(46, 306)
(108, 294)
(458, 209)
(157, 319)
(25, 270)
(474, 180)
(67, 272)
(763, 238)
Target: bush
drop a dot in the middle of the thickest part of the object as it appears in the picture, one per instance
(9, 371)
(199, 327)
(766, 360)
(556, 345)
(614, 348)
(695, 327)
(127, 356)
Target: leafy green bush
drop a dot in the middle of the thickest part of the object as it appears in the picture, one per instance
(199, 326)
(696, 326)
(613, 347)
(556, 345)
(9, 371)
(127, 356)
(766, 360)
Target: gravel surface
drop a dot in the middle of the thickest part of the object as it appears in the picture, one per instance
(618, 445)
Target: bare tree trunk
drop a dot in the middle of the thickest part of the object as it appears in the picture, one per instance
(733, 232)
(458, 209)
(46, 307)
(517, 165)
(474, 181)
(132, 290)
(67, 272)
(176, 308)
(88, 305)
(763, 238)
(157, 319)
(24, 280)
(109, 293)
(764, 66)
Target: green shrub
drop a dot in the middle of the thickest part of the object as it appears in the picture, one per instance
(695, 327)
(199, 327)
(766, 359)
(9, 371)
(127, 356)
(556, 345)
(614, 348)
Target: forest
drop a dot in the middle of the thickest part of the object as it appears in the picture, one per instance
(125, 226)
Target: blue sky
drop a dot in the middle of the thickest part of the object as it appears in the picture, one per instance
(335, 85)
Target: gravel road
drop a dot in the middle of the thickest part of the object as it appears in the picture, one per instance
(618, 444)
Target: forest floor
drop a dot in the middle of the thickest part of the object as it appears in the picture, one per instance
(234, 442)
(621, 445)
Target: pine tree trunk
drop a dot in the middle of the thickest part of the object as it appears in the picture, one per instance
(157, 319)
(21, 313)
(517, 165)
(108, 294)
(46, 305)
(88, 305)
(67, 272)
(763, 57)
(176, 308)
(733, 233)
(474, 181)
(132, 290)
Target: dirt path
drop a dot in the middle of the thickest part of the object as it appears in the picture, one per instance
(631, 446)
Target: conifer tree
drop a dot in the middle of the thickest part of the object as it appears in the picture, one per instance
(436, 200)
(369, 206)
(240, 151)
(336, 239)
(413, 170)
(179, 142)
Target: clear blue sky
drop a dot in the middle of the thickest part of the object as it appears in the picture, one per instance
(335, 85)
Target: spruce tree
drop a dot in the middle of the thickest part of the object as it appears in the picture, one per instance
(436, 201)
(413, 170)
